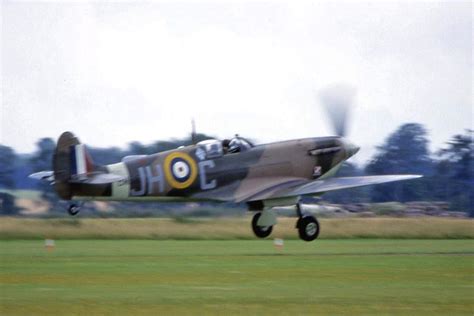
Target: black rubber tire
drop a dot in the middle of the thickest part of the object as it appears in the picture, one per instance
(73, 209)
(259, 231)
(308, 228)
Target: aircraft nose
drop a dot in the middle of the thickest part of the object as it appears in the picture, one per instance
(350, 148)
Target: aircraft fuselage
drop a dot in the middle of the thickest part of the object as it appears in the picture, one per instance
(189, 172)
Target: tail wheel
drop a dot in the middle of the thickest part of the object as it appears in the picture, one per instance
(308, 228)
(73, 209)
(260, 231)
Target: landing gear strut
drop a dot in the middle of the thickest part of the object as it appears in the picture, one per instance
(260, 231)
(307, 225)
(73, 209)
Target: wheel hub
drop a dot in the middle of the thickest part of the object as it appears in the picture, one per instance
(311, 229)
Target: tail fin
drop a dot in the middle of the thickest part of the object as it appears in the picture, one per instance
(71, 161)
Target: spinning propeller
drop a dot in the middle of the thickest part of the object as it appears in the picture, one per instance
(337, 100)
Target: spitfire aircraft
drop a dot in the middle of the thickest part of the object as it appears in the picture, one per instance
(230, 170)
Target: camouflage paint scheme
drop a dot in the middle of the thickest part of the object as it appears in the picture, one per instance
(258, 173)
(236, 171)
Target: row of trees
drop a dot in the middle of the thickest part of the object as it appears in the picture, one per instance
(448, 172)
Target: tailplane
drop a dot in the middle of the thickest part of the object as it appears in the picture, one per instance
(74, 169)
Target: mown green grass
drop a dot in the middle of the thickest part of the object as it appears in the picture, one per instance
(208, 277)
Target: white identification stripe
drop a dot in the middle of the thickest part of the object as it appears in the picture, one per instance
(121, 189)
(80, 159)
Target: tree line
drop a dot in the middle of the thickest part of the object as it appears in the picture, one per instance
(448, 172)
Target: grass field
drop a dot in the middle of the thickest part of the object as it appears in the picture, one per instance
(231, 228)
(329, 277)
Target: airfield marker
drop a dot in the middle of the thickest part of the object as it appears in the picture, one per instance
(278, 243)
(49, 244)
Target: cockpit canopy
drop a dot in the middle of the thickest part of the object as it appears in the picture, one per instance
(239, 144)
(210, 148)
(213, 148)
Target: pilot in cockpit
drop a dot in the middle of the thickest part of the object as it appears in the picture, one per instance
(236, 145)
(225, 146)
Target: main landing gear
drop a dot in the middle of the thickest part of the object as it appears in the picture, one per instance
(73, 208)
(260, 231)
(307, 225)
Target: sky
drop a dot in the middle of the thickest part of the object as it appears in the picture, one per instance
(115, 72)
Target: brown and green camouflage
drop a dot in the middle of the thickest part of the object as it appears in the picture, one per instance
(189, 172)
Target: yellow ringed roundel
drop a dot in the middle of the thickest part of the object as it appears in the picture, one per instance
(180, 170)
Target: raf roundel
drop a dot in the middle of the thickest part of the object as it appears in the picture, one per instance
(180, 170)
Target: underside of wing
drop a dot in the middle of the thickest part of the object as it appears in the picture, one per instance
(250, 189)
(331, 184)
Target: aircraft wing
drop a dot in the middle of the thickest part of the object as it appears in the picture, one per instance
(331, 184)
(246, 191)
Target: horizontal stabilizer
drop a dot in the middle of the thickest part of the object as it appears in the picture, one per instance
(43, 175)
(90, 178)
(98, 178)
